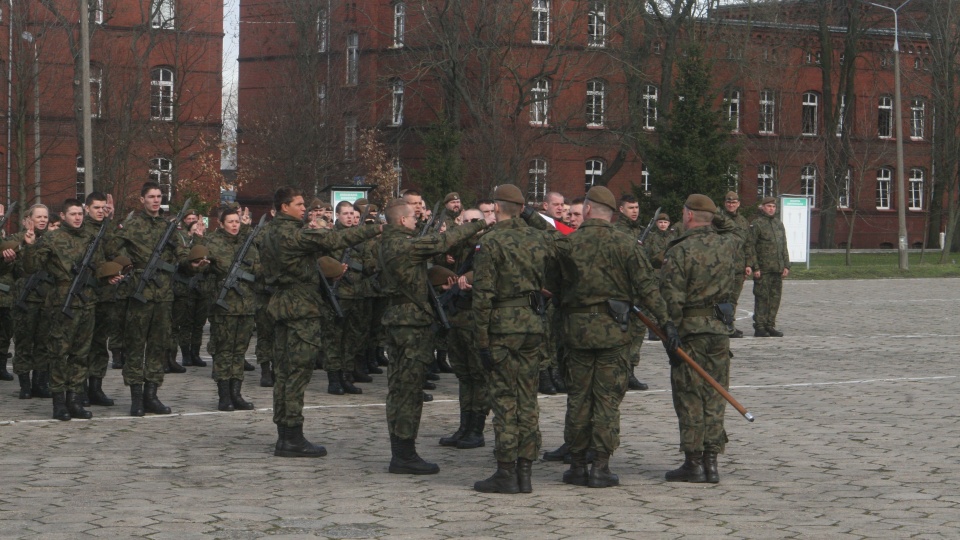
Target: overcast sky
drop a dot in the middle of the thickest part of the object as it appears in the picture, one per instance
(231, 41)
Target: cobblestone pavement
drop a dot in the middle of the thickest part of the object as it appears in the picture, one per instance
(855, 437)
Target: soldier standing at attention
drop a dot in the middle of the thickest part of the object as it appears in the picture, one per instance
(697, 282)
(510, 273)
(604, 273)
(190, 300)
(772, 265)
(29, 354)
(288, 254)
(409, 322)
(731, 207)
(264, 325)
(6, 303)
(628, 221)
(105, 320)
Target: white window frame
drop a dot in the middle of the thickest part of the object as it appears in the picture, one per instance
(350, 138)
(810, 112)
(81, 184)
(596, 102)
(396, 103)
(399, 23)
(353, 59)
(163, 14)
(322, 103)
(766, 180)
(885, 117)
(915, 190)
(731, 105)
(593, 170)
(917, 118)
(540, 21)
(884, 184)
(96, 91)
(537, 180)
(646, 183)
(733, 178)
(161, 172)
(651, 95)
(843, 198)
(843, 109)
(161, 94)
(540, 102)
(323, 31)
(597, 24)
(96, 11)
(768, 111)
(808, 183)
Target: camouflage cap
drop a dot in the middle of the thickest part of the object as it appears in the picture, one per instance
(602, 195)
(509, 193)
(701, 203)
(438, 275)
(768, 200)
(454, 196)
(197, 253)
(109, 269)
(731, 196)
(330, 267)
(663, 217)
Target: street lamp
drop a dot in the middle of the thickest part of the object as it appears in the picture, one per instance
(30, 38)
(898, 122)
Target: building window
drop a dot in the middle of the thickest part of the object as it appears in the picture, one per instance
(597, 24)
(843, 198)
(350, 138)
(323, 31)
(163, 14)
(596, 102)
(645, 183)
(916, 190)
(96, 84)
(884, 181)
(399, 23)
(650, 97)
(81, 186)
(161, 172)
(733, 179)
(885, 117)
(396, 109)
(808, 183)
(811, 104)
(353, 58)
(539, 102)
(96, 11)
(594, 170)
(161, 94)
(917, 110)
(537, 180)
(768, 104)
(322, 103)
(766, 182)
(731, 104)
(842, 113)
(541, 21)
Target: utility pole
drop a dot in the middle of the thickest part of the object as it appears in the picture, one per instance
(85, 92)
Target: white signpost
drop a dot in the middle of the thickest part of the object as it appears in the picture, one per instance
(795, 214)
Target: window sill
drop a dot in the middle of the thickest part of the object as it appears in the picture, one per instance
(538, 124)
(916, 139)
(596, 126)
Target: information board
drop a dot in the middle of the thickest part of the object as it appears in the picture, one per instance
(795, 214)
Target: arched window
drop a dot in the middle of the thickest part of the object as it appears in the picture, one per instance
(766, 181)
(731, 105)
(539, 102)
(537, 180)
(594, 170)
(396, 103)
(808, 183)
(884, 181)
(768, 106)
(810, 113)
(915, 190)
(597, 24)
(96, 85)
(540, 21)
(650, 97)
(843, 198)
(399, 23)
(596, 102)
(161, 94)
(885, 117)
(917, 114)
(161, 172)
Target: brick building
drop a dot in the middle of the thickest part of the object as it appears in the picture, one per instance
(156, 78)
(541, 97)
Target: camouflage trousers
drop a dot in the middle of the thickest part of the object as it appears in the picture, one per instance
(513, 395)
(356, 322)
(296, 346)
(27, 331)
(229, 339)
(410, 349)
(68, 344)
(6, 332)
(767, 291)
(738, 290)
(553, 336)
(264, 326)
(190, 313)
(699, 407)
(146, 338)
(465, 361)
(107, 334)
(598, 382)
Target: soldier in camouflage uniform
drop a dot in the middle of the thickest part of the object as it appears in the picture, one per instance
(731, 207)
(512, 266)
(628, 221)
(347, 357)
(105, 295)
(264, 325)
(409, 322)
(288, 254)
(604, 272)
(6, 305)
(30, 356)
(191, 300)
(698, 279)
(772, 266)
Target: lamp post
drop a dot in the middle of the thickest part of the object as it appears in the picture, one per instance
(31, 39)
(902, 245)
(85, 107)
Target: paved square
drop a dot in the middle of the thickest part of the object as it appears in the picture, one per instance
(856, 436)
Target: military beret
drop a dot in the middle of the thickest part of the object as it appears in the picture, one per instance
(768, 200)
(663, 217)
(361, 202)
(326, 206)
(191, 212)
(508, 193)
(731, 196)
(316, 204)
(197, 253)
(700, 203)
(602, 195)
(123, 261)
(9, 244)
(330, 267)
(438, 275)
(469, 276)
(451, 197)
(373, 208)
(109, 269)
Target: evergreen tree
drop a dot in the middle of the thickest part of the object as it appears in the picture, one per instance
(442, 170)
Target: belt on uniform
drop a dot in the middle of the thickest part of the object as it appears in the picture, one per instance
(596, 308)
(400, 300)
(699, 312)
(523, 301)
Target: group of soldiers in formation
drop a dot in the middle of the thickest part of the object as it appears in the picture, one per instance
(511, 300)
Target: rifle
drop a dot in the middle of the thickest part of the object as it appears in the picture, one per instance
(435, 221)
(328, 291)
(83, 270)
(7, 214)
(433, 218)
(235, 274)
(156, 263)
(696, 367)
(31, 284)
(650, 225)
(448, 296)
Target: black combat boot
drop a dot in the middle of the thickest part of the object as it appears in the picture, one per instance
(4, 374)
(502, 481)
(760, 331)
(404, 459)
(117, 355)
(442, 362)
(347, 384)
(557, 455)
(428, 385)
(247, 366)
(83, 396)
(41, 385)
(382, 357)
(452, 440)
(199, 362)
(710, 467)
(95, 392)
(238, 402)
(690, 471)
(360, 370)
(433, 370)
(427, 397)
(546, 385)
(600, 475)
(26, 391)
(266, 375)
(186, 355)
(557, 380)
(151, 403)
(136, 400)
(774, 332)
(223, 397)
(473, 438)
(577, 473)
(333, 383)
(60, 411)
(524, 474)
(371, 359)
(75, 407)
(172, 364)
(633, 383)
(320, 361)
(652, 336)
(737, 333)
(292, 443)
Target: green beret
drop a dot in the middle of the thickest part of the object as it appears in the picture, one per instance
(700, 203)
(452, 197)
(731, 196)
(768, 200)
(663, 217)
(330, 267)
(509, 193)
(602, 195)
(438, 275)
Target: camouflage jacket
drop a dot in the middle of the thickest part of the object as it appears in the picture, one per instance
(699, 273)
(58, 252)
(354, 283)
(600, 263)
(186, 281)
(136, 240)
(743, 224)
(223, 248)
(511, 265)
(104, 292)
(655, 245)
(288, 255)
(19, 275)
(403, 272)
(769, 240)
(8, 280)
(632, 227)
